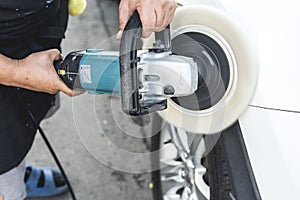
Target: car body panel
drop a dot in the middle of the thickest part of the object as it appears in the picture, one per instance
(270, 125)
(272, 141)
(274, 28)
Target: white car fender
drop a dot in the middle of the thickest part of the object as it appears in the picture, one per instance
(270, 125)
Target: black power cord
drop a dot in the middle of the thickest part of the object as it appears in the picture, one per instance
(58, 163)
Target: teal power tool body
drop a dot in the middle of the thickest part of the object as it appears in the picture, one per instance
(143, 78)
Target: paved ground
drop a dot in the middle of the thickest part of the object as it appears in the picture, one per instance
(100, 147)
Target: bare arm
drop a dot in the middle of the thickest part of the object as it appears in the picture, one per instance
(7, 70)
(36, 72)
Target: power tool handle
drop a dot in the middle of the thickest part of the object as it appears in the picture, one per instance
(67, 69)
(164, 38)
(130, 42)
(57, 64)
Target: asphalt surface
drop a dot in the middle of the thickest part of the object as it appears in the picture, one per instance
(104, 152)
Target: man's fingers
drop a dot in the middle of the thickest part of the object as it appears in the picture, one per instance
(155, 15)
(147, 32)
(123, 15)
(148, 18)
(65, 89)
(77, 92)
(162, 25)
(160, 15)
(169, 11)
(167, 20)
(119, 34)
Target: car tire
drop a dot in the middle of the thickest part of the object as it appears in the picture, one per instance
(229, 173)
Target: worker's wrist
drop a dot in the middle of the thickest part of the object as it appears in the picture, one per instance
(17, 75)
(15, 72)
(14, 67)
(9, 68)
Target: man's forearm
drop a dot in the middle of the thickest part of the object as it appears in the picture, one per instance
(8, 69)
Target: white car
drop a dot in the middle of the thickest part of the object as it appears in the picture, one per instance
(238, 136)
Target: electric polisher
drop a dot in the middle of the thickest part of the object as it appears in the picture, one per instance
(143, 78)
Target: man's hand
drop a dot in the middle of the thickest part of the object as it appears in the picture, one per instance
(36, 72)
(155, 14)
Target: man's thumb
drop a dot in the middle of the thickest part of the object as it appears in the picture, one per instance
(124, 14)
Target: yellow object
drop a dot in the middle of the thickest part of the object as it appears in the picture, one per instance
(76, 7)
(151, 186)
(62, 72)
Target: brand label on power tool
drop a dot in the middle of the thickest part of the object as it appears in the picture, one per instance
(85, 72)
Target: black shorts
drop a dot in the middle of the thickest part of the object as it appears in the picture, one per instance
(17, 131)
